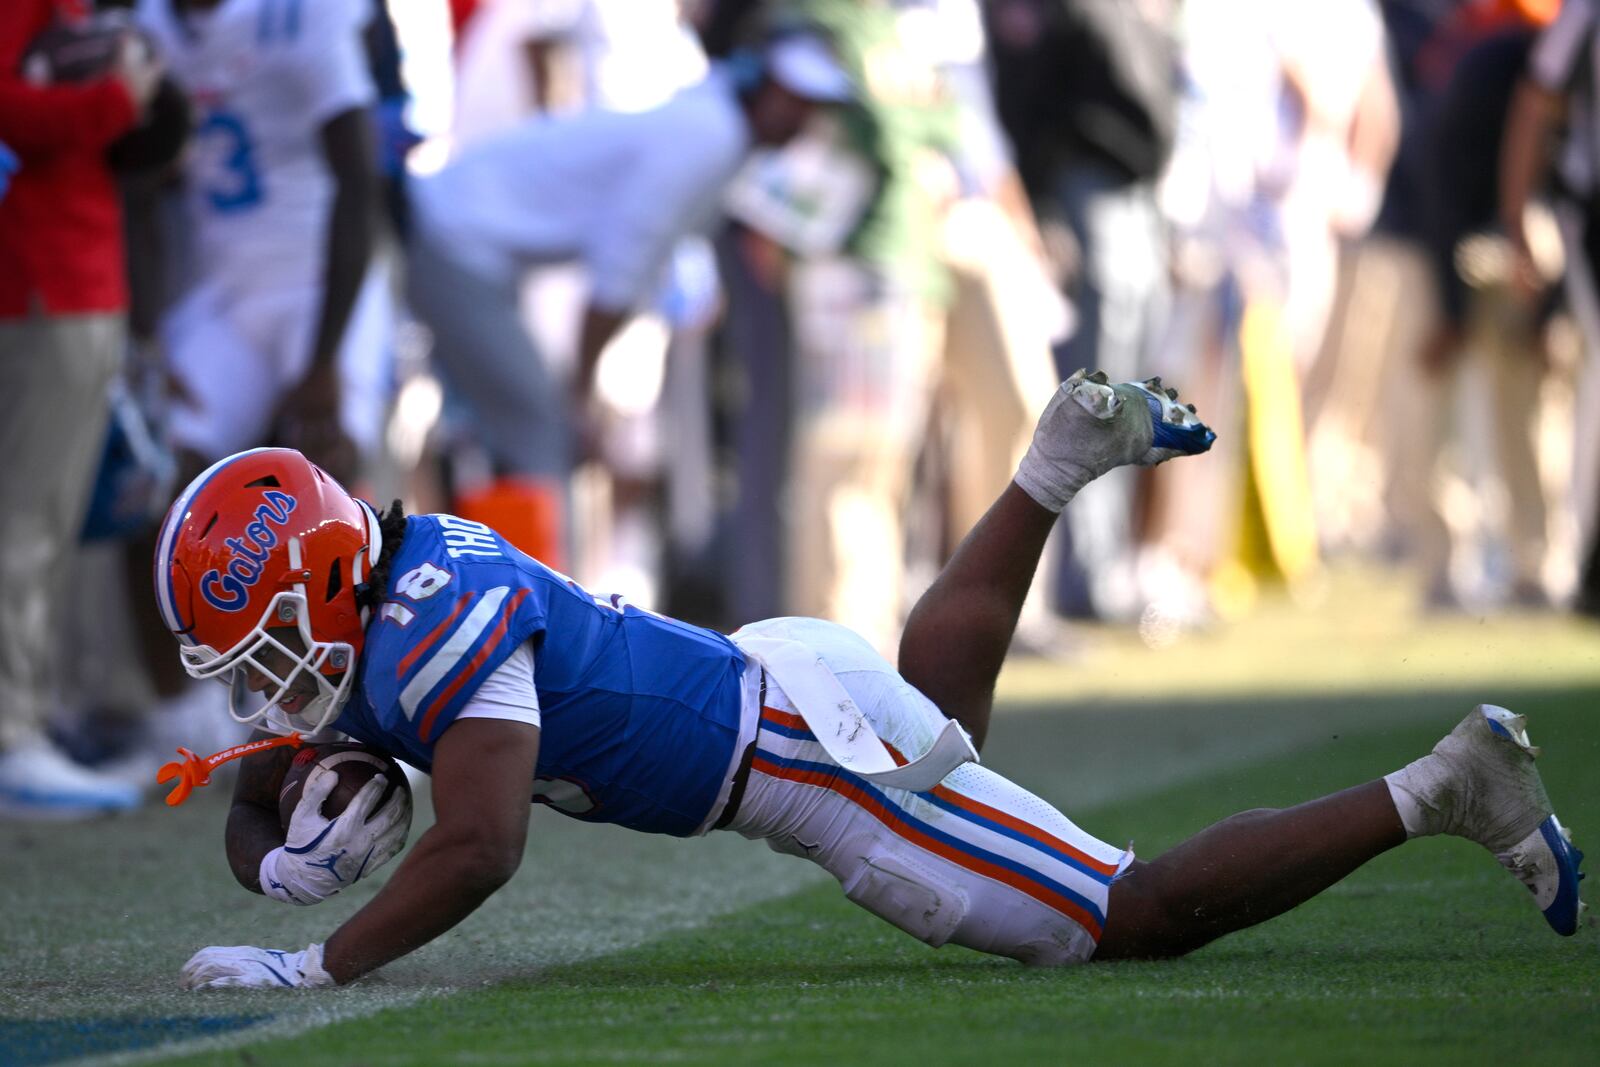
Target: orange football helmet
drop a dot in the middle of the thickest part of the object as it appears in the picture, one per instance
(262, 543)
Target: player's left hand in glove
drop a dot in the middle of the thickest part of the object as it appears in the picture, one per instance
(321, 856)
(220, 966)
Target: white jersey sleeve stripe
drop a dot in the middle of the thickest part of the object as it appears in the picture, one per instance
(450, 655)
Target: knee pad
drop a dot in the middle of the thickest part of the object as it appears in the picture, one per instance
(900, 890)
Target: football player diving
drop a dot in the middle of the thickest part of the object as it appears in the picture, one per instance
(433, 639)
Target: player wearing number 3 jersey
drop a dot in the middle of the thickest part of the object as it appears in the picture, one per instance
(279, 201)
(432, 638)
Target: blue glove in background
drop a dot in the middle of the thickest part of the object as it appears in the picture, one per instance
(9, 165)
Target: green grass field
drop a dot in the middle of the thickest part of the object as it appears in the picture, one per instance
(615, 947)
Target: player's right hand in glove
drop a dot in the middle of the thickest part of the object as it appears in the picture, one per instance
(321, 856)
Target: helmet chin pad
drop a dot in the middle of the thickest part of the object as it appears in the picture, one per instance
(304, 691)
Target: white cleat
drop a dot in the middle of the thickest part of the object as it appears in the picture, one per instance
(38, 782)
(1499, 801)
(1091, 427)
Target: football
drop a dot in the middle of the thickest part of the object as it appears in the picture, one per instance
(354, 763)
(76, 51)
(80, 51)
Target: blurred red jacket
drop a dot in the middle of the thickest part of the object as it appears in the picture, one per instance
(61, 220)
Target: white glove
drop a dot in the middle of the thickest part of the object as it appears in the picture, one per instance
(241, 965)
(322, 856)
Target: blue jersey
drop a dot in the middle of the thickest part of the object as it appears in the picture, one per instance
(640, 713)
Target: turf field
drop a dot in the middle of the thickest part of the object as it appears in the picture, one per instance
(616, 947)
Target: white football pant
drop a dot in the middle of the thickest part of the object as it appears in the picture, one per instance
(977, 861)
(237, 354)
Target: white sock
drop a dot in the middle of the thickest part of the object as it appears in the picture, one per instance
(1421, 793)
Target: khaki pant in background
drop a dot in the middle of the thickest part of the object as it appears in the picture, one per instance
(999, 371)
(865, 351)
(54, 373)
(1486, 402)
(869, 353)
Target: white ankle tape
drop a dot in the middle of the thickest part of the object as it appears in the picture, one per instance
(1052, 487)
(1414, 789)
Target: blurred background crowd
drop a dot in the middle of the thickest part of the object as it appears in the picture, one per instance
(747, 308)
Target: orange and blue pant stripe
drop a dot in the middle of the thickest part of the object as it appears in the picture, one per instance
(894, 814)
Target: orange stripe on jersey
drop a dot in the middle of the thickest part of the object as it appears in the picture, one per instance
(410, 658)
(507, 613)
(898, 825)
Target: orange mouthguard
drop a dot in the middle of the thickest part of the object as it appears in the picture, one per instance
(192, 772)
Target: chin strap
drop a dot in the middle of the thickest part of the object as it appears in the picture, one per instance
(192, 772)
(361, 578)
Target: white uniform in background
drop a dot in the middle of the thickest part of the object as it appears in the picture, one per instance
(633, 54)
(264, 77)
(630, 56)
(612, 191)
(610, 55)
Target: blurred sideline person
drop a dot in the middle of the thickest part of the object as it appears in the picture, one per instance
(867, 299)
(278, 328)
(448, 648)
(1004, 311)
(63, 301)
(556, 56)
(1322, 185)
(394, 133)
(1284, 138)
(522, 57)
(1557, 95)
(1485, 328)
(1088, 93)
(281, 194)
(613, 191)
(920, 319)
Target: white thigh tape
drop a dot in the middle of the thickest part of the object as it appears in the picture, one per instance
(841, 727)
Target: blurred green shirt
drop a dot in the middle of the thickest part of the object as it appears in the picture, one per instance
(903, 116)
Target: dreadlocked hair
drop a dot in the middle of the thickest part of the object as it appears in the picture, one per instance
(392, 525)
